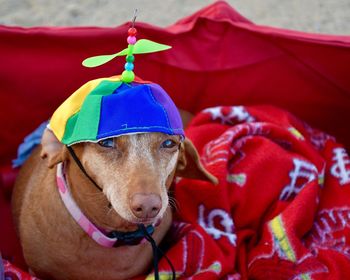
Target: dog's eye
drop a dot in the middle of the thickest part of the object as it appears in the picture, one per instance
(168, 144)
(107, 143)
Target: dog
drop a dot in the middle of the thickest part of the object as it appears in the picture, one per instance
(134, 172)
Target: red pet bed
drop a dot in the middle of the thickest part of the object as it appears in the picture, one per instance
(218, 58)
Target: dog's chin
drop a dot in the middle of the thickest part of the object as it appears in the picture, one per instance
(154, 221)
(131, 222)
(130, 218)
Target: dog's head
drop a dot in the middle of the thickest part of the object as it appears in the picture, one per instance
(135, 171)
(136, 165)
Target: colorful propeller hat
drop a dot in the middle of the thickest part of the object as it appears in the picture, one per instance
(118, 105)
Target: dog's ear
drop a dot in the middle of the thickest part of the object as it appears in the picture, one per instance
(186, 117)
(189, 165)
(52, 150)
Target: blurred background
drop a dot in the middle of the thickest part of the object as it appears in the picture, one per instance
(317, 16)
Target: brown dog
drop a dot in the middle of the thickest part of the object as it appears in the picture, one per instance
(135, 173)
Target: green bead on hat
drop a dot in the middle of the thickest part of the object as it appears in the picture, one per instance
(128, 76)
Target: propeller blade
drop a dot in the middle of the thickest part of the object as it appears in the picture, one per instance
(148, 46)
(98, 60)
(95, 61)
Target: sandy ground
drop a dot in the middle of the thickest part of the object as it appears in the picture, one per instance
(320, 16)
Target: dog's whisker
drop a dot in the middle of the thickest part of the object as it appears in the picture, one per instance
(110, 210)
(173, 203)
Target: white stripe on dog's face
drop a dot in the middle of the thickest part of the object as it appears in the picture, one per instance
(136, 164)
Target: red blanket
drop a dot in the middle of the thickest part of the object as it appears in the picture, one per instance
(281, 209)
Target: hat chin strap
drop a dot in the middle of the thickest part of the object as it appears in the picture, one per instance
(78, 162)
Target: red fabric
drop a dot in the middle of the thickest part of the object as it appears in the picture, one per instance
(9, 245)
(281, 209)
(14, 273)
(218, 58)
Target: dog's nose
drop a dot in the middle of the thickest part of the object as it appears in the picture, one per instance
(145, 205)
